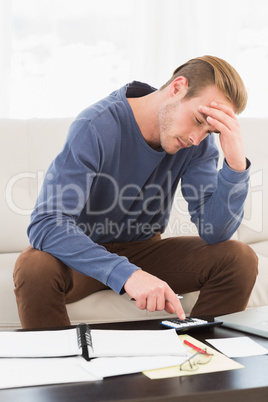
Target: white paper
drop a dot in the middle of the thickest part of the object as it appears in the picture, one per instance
(39, 343)
(136, 343)
(24, 372)
(238, 347)
(111, 366)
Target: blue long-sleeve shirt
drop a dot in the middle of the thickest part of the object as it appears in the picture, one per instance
(108, 184)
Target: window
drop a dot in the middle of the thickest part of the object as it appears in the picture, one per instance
(59, 56)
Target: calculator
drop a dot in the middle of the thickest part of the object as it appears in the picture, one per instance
(189, 323)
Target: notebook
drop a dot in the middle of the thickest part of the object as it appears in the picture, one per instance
(90, 343)
(253, 320)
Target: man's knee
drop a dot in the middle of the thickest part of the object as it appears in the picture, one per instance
(37, 268)
(24, 265)
(41, 282)
(244, 259)
(29, 262)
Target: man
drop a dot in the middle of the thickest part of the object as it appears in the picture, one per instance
(106, 199)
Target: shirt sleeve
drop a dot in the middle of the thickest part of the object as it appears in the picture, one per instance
(215, 197)
(63, 195)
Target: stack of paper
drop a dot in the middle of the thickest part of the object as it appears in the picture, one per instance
(51, 357)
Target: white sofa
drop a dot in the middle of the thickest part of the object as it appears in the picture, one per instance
(27, 148)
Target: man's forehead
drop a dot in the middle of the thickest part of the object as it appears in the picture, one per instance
(214, 94)
(205, 119)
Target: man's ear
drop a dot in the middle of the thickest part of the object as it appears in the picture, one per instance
(179, 86)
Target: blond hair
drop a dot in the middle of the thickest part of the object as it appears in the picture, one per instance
(202, 72)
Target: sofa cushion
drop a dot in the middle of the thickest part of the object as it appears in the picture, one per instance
(108, 306)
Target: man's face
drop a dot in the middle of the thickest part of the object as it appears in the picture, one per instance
(180, 123)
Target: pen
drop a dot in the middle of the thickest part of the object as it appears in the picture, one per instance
(194, 347)
(178, 296)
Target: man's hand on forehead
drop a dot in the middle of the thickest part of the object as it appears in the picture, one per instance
(223, 118)
(218, 115)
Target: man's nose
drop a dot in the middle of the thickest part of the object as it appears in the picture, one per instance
(195, 138)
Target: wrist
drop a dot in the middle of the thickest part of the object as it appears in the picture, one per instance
(238, 166)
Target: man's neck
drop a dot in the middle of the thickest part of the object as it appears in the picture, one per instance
(145, 110)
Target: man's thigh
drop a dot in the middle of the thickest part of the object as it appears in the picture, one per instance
(175, 260)
(185, 263)
(180, 261)
(82, 286)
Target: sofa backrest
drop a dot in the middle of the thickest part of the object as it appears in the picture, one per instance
(254, 227)
(29, 146)
(27, 149)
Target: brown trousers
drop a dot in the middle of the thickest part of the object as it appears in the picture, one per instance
(224, 273)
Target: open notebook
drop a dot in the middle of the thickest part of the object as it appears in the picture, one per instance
(89, 343)
(253, 320)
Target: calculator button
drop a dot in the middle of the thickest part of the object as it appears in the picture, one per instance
(188, 323)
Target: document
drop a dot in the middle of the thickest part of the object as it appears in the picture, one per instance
(23, 372)
(238, 346)
(99, 343)
(112, 366)
(29, 358)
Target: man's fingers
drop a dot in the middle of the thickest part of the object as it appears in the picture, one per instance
(217, 124)
(151, 304)
(169, 308)
(155, 303)
(174, 305)
(141, 303)
(225, 108)
(221, 117)
(160, 303)
(152, 294)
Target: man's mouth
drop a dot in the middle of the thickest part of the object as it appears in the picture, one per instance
(181, 144)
